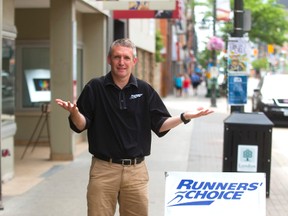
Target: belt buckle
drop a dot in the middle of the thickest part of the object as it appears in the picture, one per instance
(126, 162)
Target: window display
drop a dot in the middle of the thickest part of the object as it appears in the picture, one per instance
(8, 78)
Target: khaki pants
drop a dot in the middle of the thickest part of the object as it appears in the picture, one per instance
(110, 183)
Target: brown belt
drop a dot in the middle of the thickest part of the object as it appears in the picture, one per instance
(124, 162)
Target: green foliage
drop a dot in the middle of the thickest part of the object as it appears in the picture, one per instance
(261, 63)
(159, 47)
(194, 3)
(204, 57)
(269, 22)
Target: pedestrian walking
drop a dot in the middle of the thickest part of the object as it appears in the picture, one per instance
(186, 84)
(178, 84)
(119, 112)
(196, 81)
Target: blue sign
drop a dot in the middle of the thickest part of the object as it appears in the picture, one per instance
(237, 89)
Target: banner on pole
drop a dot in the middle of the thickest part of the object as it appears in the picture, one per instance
(223, 10)
(237, 89)
(215, 193)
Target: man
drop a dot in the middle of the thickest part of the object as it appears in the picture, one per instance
(119, 111)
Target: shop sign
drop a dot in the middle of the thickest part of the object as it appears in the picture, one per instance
(215, 193)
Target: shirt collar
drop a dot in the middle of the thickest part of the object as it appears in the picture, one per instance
(109, 80)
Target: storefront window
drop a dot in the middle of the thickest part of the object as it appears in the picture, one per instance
(34, 75)
(8, 79)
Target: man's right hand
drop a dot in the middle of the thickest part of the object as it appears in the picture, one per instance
(77, 118)
(67, 105)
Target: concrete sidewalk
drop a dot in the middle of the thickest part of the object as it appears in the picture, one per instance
(45, 188)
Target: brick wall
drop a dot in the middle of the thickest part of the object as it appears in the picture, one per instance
(146, 69)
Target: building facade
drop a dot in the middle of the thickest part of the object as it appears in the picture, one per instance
(50, 49)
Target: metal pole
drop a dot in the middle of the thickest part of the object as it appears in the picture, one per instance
(238, 18)
(238, 32)
(214, 59)
(214, 17)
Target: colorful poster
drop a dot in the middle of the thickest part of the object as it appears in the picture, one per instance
(238, 56)
(38, 83)
(138, 5)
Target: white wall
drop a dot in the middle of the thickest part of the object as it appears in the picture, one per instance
(142, 33)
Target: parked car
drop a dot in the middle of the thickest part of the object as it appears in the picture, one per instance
(271, 98)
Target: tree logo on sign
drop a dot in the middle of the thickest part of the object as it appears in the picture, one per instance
(247, 154)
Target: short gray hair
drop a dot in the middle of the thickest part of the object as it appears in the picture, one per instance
(124, 42)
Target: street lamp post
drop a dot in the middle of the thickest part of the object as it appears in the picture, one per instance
(214, 60)
(238, 32)
(238, 18)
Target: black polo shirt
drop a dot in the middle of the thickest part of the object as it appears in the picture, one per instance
(119, 122)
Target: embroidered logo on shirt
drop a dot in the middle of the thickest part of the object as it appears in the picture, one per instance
(134, 96)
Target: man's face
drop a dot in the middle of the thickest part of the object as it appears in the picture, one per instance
(122, 61)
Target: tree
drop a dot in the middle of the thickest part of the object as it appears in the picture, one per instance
(204, 57)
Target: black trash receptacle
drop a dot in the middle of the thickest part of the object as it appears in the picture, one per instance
(247, 144)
